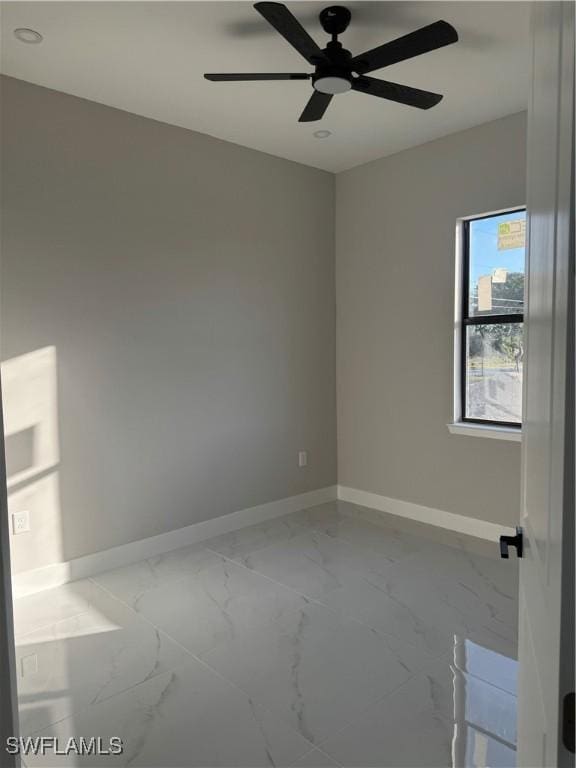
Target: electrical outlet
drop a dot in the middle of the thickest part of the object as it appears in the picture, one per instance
(302, 458)
(20, 522)
(29, 664)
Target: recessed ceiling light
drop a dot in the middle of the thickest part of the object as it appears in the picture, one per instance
(322, 134)
(26, 35)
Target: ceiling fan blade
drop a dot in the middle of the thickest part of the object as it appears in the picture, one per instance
(317, 105)
(403, 94)
(240, 76)
(291, 30)
(421, 41)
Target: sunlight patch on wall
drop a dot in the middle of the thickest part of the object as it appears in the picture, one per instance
(30, 404)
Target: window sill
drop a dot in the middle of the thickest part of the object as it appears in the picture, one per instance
(479, 430)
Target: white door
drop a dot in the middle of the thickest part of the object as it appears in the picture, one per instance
(546, 605)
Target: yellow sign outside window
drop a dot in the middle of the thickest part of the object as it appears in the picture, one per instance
(511, 234)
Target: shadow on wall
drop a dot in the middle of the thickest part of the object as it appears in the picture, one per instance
(30, 405)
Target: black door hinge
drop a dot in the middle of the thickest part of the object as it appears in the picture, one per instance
(568, 722)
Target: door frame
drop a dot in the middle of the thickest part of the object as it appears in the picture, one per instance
(568, 600)
(8, 687)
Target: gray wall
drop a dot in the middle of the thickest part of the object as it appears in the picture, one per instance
(168, 303)
(395, 296)
(168, 324)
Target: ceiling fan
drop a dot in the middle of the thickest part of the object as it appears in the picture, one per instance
(336, 70)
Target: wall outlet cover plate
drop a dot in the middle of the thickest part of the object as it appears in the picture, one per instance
(20, 522)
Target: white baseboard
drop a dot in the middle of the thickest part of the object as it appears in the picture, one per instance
(39, 579)
(470, 526)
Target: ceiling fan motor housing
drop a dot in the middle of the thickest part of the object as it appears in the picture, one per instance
(333, 74)
(335, 19)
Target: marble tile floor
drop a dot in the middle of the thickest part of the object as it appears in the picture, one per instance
(334, 636)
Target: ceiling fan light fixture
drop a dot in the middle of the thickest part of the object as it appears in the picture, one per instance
(332, 84)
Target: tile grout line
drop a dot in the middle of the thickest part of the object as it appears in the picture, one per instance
(318, 749)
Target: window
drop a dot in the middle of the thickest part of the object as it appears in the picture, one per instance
(492, 314)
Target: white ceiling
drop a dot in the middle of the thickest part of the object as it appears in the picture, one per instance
(149, 58)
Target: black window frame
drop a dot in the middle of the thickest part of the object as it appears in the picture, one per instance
(467, 320)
